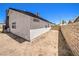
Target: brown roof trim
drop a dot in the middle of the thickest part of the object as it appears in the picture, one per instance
(30, 14)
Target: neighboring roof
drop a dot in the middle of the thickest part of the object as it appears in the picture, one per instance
(30, 14)
(77, 19)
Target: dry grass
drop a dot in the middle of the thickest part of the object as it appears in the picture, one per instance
(56, 27)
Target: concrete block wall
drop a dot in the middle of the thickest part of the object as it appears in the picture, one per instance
(71, 35)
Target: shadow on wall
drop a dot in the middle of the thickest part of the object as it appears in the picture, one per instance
(17, 38)
(63, 48)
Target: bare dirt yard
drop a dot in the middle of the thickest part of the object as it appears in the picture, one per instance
(46, 44)
(51, 43)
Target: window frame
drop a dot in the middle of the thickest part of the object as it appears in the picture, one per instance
(13, 25)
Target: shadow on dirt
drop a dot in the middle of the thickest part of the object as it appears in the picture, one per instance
(17, 38)
(63, 48)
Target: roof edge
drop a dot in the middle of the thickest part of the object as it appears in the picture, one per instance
(30, 14)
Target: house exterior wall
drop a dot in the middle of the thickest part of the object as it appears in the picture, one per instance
(38, 27)
(38, 24)
(22, 24)
(26, 26)
(37, 32)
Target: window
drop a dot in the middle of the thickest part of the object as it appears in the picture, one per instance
(14, 25)
(36, 20)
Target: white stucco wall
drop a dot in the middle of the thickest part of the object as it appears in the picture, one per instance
(37, 32)
(22, 24)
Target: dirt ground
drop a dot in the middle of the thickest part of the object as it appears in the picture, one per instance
(46, 44)
(63, 48)
(51, 43)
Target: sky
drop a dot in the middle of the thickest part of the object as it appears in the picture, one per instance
(53, 12)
